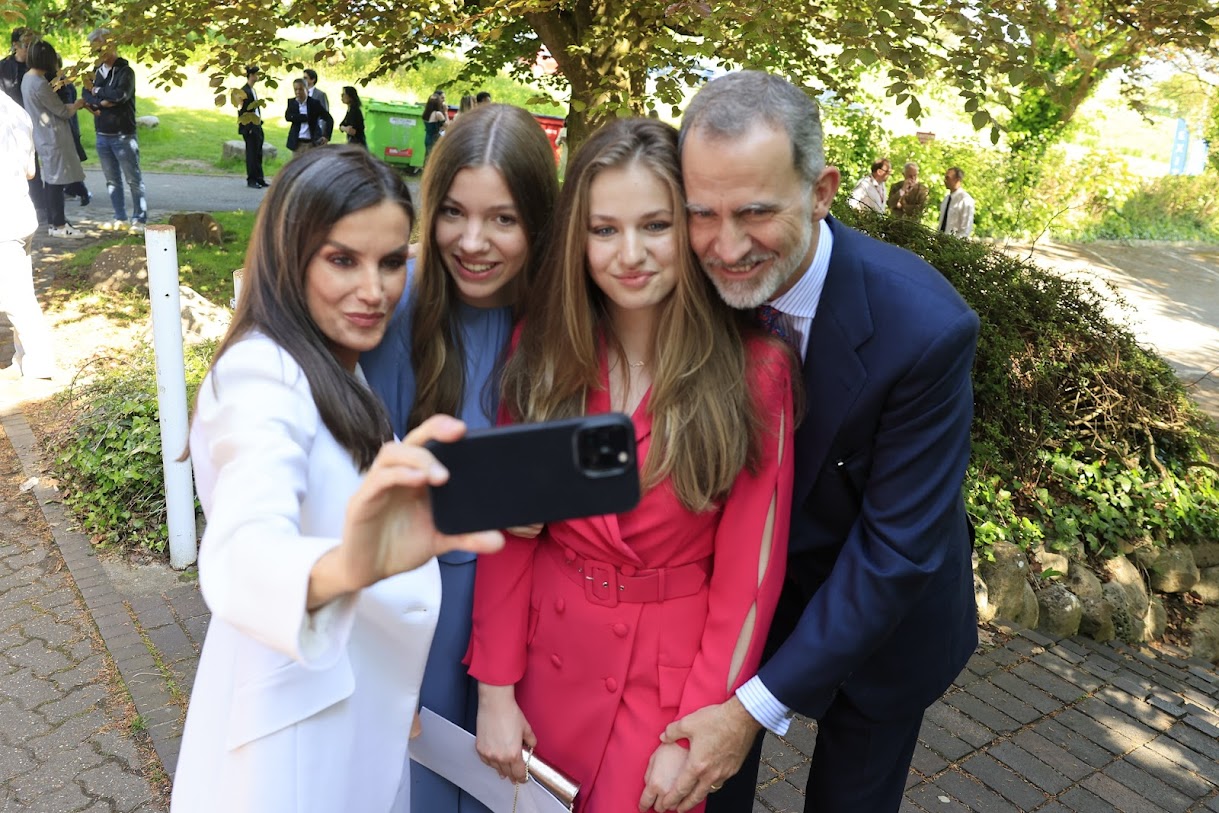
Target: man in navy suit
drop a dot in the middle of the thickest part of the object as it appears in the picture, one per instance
(877, 613)
(311, 124)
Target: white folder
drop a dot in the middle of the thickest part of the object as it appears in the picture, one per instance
(448, 750)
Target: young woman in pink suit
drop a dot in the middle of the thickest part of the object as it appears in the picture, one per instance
(591, 638)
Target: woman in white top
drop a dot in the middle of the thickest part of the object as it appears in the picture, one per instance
(317, 562)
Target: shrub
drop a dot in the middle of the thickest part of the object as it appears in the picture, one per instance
(1175, 207)
(1081, 437)
(107, 450)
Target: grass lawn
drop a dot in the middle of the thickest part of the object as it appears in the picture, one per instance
(206, 269)
(190, 139)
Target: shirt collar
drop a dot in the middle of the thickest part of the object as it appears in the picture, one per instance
(802, 299)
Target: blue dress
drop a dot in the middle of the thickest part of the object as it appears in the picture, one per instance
(447, 689)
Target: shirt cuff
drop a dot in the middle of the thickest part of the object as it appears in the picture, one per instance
(764, 706)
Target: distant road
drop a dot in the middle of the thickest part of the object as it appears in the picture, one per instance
(169, 193)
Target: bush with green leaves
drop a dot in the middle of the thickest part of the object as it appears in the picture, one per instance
(106, 450)
(1082, 439)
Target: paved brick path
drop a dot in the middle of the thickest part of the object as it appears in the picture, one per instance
(65, 737)
(1032, 724)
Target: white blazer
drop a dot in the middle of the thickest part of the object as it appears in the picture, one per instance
(291, 712)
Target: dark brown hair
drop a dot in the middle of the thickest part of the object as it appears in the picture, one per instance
(510, 140)
(310, 194)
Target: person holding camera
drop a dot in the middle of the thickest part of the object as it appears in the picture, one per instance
(318, 559)
(488, 192)
(591, 638)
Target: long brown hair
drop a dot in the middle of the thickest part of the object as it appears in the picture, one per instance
(510, 140)
(705, 425)
(310, 194)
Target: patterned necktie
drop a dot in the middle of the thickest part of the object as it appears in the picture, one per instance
(772, 319)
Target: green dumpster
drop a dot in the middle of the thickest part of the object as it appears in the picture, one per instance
(395, 133)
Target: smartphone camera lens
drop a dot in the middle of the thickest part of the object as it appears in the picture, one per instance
(603, 450)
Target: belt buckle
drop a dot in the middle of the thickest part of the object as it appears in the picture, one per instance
(600, 583)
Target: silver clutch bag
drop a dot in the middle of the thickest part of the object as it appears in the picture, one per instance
(561, 786)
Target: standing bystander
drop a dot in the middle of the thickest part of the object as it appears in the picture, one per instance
(957, 208)
(313, 91)
(908, 197)
(12, 70)
(249, 124)
(869, 193)
(32, 339)
(111, 99)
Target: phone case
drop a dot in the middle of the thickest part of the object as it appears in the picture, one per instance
(529, 473)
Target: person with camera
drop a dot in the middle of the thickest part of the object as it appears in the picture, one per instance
(318, 559)
(487, 192)
(591, 638)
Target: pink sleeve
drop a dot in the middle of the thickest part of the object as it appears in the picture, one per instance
(740, 582)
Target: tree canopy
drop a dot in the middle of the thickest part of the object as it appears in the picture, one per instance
(618, 57)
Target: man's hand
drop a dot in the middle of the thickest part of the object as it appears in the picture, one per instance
(720, 738)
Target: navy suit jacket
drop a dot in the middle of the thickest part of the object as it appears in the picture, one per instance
(880, 543)
(315, 115)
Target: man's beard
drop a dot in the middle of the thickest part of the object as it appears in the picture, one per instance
(750, 293)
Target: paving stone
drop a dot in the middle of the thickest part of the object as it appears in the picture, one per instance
(1030, 767)
(1026, 692)
(1005, 702)
(1194, 739)
(1148, 787)
(783, 797)
(1112, 703)
(1175, 710)
(986, 714)
(62, 799)
(1202, 724)
(41, 660)
(934, 799)
(1056, 756)
(14, 762)
(945, 744)
(1068, 672)
(926, 761)
(79, 701)
(1188, 758)
(1048, 682)
(1114, 718)
(1036, 637)
(1181, 777)
(801, 734)
(1118, 795)
(28, 689)
(779, 756)
(1068, 655)
(1112, 733)
(1083, 801)
(973, 793)
(961, 726)
(110, 780)
(1001, 779)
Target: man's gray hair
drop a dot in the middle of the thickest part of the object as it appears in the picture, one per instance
(100, 35)
(910, 165)
(731, 105)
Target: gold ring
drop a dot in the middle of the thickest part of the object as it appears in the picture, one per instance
(716, 787)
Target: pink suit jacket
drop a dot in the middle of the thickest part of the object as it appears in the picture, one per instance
(599, 680)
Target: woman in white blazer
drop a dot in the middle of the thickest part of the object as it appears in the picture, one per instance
(317, 562)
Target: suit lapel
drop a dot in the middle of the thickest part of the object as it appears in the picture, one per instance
(833, 372)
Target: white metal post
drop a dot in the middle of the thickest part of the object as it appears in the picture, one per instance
(161, 244)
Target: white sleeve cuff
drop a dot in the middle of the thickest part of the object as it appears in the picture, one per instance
(764, 706)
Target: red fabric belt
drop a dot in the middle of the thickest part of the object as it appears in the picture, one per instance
(607, 584)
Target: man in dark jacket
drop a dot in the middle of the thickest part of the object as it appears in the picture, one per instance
(249, 124)
(311, 123)
(13, 66)
(111, 99)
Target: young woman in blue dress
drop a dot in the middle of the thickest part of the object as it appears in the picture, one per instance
(487, 196)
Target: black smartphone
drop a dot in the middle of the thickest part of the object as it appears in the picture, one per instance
(537, 472)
